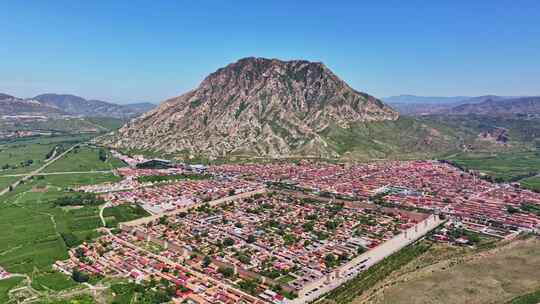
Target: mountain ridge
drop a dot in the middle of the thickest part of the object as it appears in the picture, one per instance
(77, 105)
(54, 105)
(499, 107)
(427, 105)
(418, 99)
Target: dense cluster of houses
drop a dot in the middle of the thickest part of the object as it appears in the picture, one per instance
(281, 242)
(130, 179)
(164, 196)
(310, 221)
(171, 196)
(113, 256)
(283, 239)
(428, 185)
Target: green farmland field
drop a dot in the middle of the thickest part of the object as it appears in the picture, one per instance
(74, 180)
(6, 285)
(532, 183)
(25, 155)
(6, 181)
(83, 299)
(123, 213)
(504, 166)
(36, 232)
(33, 228)
(84, 159)
(52, 280)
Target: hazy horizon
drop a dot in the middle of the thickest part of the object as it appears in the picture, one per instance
(158, 102)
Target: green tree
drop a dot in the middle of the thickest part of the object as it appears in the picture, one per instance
(79, 276)
(206, 261)
(330, 260)
(228, 242)
(226, 271)
(102, 155)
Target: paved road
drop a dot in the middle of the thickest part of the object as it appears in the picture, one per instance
(27, 176)
(373, 256)
(101, 209)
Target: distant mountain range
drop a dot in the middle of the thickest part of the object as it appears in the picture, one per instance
(141, 107)
(414, 99)
(58, 105)
(498, 107)
(458, 105)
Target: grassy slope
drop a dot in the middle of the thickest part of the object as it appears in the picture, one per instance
(404, 138)
(519, 130)
(107, 122)
(518, 159)
(530, 298)
(493, 276)
(367, 279)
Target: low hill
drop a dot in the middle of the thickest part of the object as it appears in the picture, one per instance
(488, 133)
(13, 106)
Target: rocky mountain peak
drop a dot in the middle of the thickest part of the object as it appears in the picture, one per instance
(256, 106)
(253, 72)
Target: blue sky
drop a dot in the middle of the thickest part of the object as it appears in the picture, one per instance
(126, 51)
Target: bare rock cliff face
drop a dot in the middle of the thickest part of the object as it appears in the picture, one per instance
(255, 106)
